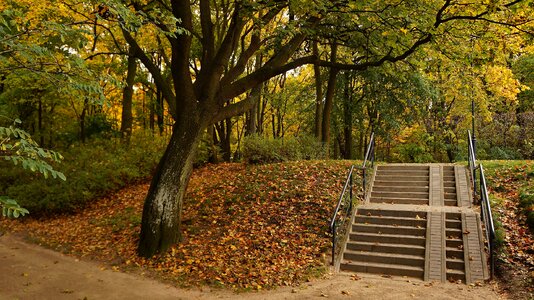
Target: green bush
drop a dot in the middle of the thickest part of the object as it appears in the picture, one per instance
(261, 150)
(92, 169)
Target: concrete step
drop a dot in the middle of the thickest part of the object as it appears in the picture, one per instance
(449, 184)
(382, 172)
(391, 213)
(400, 183)
(455, 275)
(386, 248)
(449, 178)
(451, 203)
(450, 189)
(453, 224)
(449, 196)
(387, 220)
(389, 229)
(454, 252)
(408, 195)
(400, 189)
(453, 233)
(384, 258)
(400, 178)
(454, 243)
(454, 217)
(455, 263)
(402, 167)
(387, 238)
(386, 269)
(399, 201)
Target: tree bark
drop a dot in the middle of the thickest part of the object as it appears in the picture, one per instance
(160, 107)
(347, 118)
(82, 120)
(255, 93)
(329, 99)
(127, 96)
(161, 221)
(318, 94)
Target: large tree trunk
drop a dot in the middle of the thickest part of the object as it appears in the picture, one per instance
(127, 115)
(160, 227)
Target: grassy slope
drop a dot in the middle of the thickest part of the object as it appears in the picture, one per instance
(508, 181)
(245, 226)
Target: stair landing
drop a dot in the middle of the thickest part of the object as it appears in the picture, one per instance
(418, 222)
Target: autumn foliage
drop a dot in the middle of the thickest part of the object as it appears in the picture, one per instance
(245, 226)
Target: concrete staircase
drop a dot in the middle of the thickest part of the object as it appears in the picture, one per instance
(401, 185)
(387, 242)
(414, 224)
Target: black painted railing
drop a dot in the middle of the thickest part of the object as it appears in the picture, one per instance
(485, 209)
(472, 160)
(343, 211)
(369, 158)
(487, 218)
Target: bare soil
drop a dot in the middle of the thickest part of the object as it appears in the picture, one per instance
(33, 272)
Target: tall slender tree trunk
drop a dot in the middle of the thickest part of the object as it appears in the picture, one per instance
(127, 96)
(212, 137)
(82, 120)
(161, 219)
(255, 93)
(347, 118)
(252, 115)
(151, 113)
(224, 132)
(329, 99)
(40, 122)
(318, 94)
(160, 107)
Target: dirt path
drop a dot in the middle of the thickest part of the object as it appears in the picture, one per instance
(32, 272)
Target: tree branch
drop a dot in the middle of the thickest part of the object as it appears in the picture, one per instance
(208, 43)
(154, 71)
(254, 46)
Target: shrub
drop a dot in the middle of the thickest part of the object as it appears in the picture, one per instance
(92, 169)
(261, 150)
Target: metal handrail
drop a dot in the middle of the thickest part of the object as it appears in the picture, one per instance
(485, 210)
(487, 218)
(369, 156)
(472, 160)
(333, 222)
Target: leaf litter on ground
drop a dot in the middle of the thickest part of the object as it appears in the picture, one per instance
(243, 226)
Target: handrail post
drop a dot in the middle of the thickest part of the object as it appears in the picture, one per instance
(333, 244)
(364, 176)
(492, 258)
